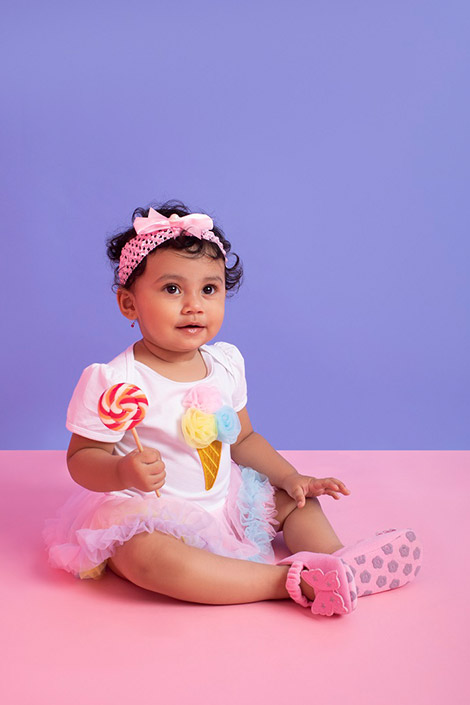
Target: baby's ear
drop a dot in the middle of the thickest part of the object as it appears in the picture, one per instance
(125, 299)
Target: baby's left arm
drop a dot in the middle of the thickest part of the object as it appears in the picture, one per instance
(253, 450)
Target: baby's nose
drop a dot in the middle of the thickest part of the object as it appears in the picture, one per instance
(192, 302)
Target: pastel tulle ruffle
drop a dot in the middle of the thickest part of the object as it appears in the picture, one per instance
(90, 526)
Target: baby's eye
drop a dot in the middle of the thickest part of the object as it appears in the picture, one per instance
(170, 288)
(210, 289)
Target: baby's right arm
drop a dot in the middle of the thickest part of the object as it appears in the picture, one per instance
(92, 465)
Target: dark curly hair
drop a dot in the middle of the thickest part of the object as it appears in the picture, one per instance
(189, 243)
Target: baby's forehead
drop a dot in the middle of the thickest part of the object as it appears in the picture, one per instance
(169, 260)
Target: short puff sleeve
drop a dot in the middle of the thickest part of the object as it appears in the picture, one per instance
(82, 412)
(236, 365)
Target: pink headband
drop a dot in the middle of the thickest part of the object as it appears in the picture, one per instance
(154, 230)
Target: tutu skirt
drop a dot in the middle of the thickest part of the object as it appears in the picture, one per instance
(91, 525)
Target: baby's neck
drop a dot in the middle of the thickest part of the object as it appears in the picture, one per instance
(179, 367)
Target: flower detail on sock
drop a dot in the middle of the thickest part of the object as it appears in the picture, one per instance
(327, 601)
(385, 561)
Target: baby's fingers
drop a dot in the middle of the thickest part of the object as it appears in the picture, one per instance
(331, 483)
(342, 487)
(149, 456)
(299, 495)
(331, 493)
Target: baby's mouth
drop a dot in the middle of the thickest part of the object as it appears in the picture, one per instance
(191, 328)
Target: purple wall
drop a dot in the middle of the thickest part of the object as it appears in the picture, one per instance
(329, 140)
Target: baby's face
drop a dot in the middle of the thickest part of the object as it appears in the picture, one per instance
(177, 290)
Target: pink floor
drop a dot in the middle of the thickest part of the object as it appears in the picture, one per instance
(72, 642)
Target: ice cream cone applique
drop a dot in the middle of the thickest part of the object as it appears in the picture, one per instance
(210, 459)
(206, 424)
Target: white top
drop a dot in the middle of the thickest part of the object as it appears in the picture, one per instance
(161, 427)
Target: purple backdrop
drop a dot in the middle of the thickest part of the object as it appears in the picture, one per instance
(329, 140)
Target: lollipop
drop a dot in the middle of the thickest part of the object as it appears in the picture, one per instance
(122, 407)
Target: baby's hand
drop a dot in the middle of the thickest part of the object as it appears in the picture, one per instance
(143, 470)
(300, 486)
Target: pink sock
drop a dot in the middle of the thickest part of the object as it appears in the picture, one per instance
(386, 561)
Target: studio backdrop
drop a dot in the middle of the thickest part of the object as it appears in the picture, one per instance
(330, 142)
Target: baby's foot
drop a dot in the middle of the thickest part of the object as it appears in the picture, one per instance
(321, 581)
(307, 590)
(388, 560)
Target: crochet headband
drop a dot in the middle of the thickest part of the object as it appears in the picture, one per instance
(155, 229)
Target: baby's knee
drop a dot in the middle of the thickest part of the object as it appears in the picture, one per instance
(285, 505)
(136, 559)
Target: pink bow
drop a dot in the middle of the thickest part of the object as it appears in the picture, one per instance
(196, 223)
(327, 601)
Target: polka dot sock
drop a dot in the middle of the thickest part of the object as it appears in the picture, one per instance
(384, 562)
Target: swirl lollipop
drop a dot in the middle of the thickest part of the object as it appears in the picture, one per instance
(122, 407)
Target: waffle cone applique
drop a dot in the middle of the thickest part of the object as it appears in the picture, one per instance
(210, 459)
(206, 425)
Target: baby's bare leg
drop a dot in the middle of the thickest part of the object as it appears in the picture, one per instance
(163, 564)
(305, 529)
